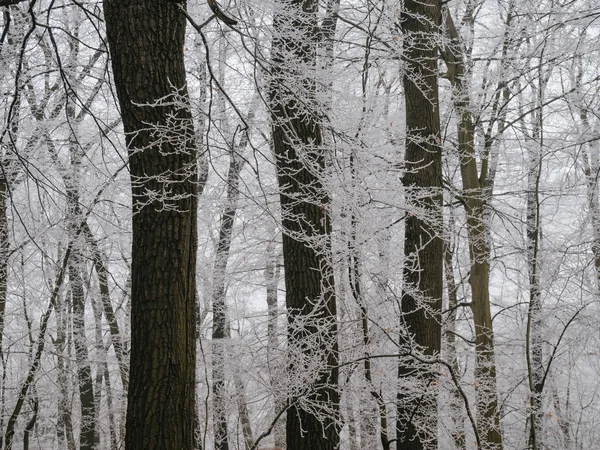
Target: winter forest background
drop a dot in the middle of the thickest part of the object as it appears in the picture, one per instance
(422, 177)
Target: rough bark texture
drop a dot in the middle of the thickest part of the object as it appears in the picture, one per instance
(423, 270)
(309, 284)
(146, 43)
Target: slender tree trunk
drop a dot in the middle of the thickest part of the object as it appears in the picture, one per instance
(271, 274)
(146, 43)
(243, 412)
(309, 282)
(84, 371)
(220, 326)
(220, 329)
(457, 415)
(36, 360)
(100, 266)
(31, 422)
(534, 336)
(76, 289)
(488, 418)
(421, 303)
(65, 421)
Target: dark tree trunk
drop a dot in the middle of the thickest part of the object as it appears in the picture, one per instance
(87, 435)
(309, 283)
(84, 370)
(423, 269)
(146, 43)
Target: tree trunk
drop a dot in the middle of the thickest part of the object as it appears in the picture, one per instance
(243, 412)
(84, 370)
(100, 266)
(146, 44)
(457, 416)
(220, 329)
(64, 420)
(309, 282)
(423, 267)
(534, 334)
(473, 183)
(36, 361)
(271, 274)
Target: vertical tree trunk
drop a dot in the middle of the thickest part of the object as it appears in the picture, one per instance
(488, 418)
(309, 283)
(416, 427)
(456, 406)
(243, 412)
(64, 421)
(534, 336)
(146, 44)
(84, 370)
(220, 329)
(271, 274)
(100, 266)
(76, 268)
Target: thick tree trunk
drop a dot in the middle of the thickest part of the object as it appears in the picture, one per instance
(309, 283)
(423, 268)
(146, 44)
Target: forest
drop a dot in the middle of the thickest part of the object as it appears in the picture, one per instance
(300, 224)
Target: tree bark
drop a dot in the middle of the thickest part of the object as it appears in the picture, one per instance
(309, 283)
(146, 43)
(423, 267)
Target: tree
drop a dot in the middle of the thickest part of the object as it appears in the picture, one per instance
(475, 187)
(312, 416)
(421, 303)
(146, 43)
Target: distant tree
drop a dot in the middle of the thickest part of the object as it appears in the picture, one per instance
(475, 187)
